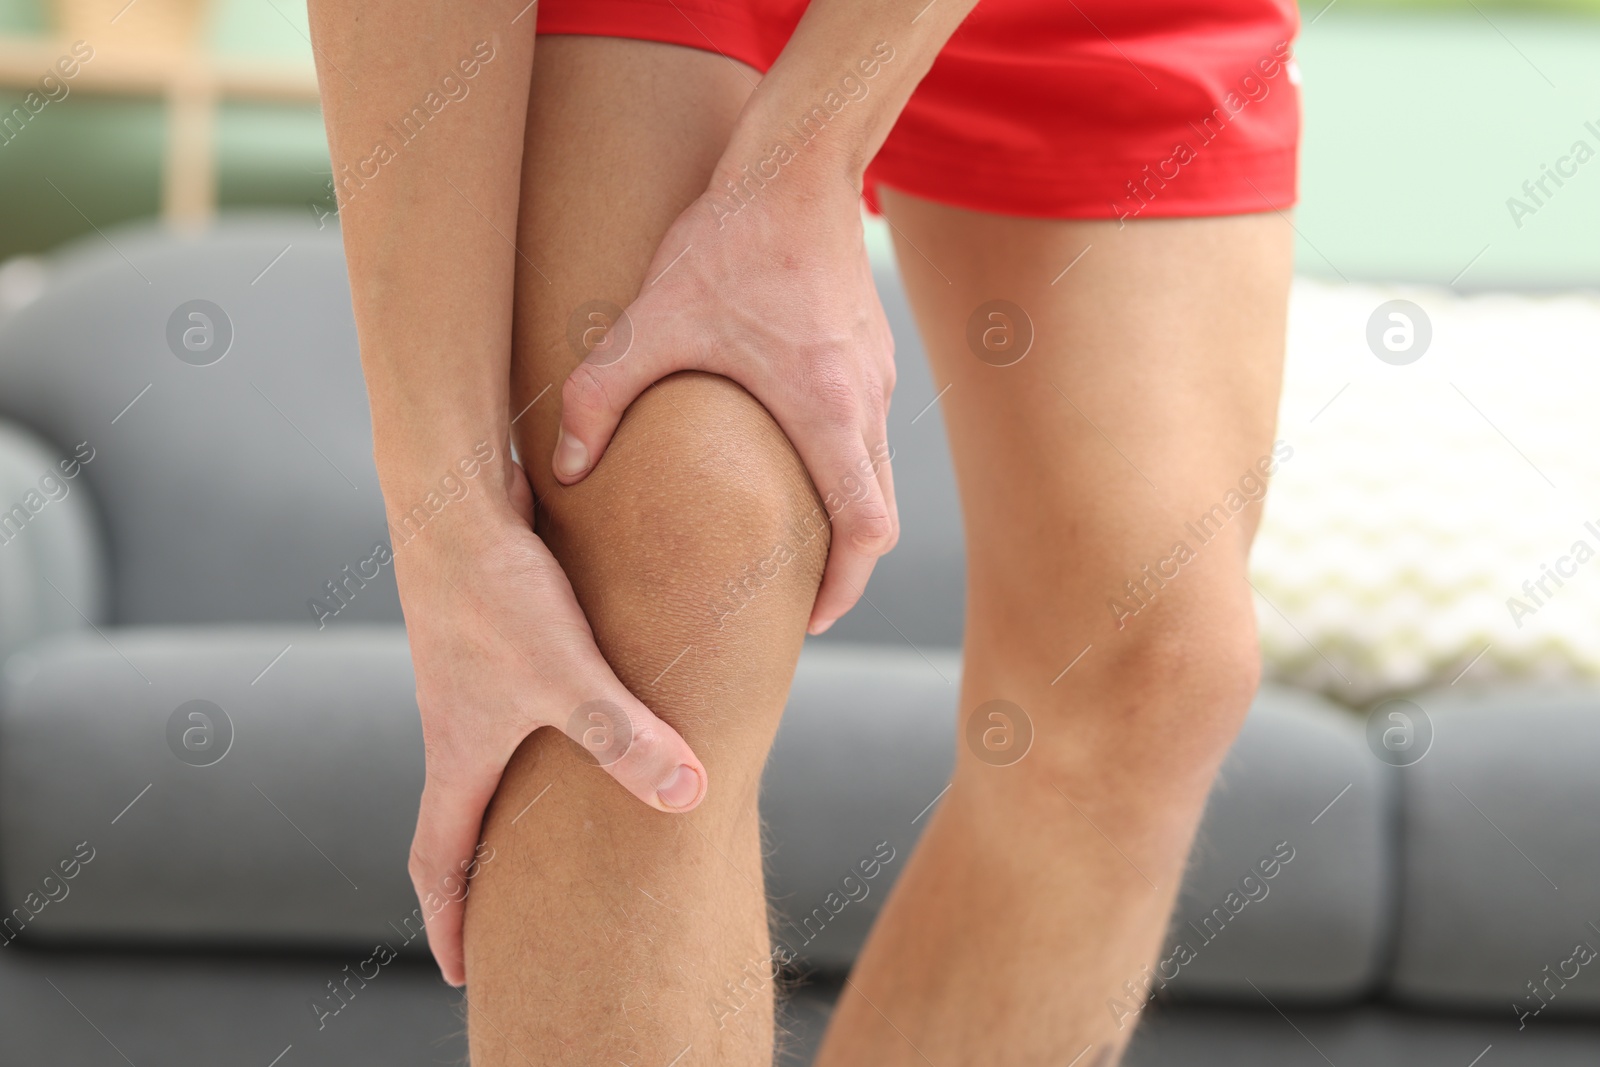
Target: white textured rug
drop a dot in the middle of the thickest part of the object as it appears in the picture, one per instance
(1411, 539)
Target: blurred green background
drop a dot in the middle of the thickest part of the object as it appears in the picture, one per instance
(1422, 118)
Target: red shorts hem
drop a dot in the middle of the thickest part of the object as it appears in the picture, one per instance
(683, 22)
(1238, 183)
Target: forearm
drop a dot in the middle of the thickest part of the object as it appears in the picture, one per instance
(838, 87)
(424, 106)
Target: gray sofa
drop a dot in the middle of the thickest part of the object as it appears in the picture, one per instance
(206, 797)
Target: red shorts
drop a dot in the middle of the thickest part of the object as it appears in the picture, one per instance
(1076, 109)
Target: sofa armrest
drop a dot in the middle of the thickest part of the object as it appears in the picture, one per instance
(52, 556)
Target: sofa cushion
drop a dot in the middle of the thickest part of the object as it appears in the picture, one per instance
(864, 750)
(1501, 875)
(283, 818)
(1300, 798)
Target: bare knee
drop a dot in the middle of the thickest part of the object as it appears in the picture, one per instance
(1198, 665)
(695, 547)
(1172, 695)
(1154, 706)
(697, 486)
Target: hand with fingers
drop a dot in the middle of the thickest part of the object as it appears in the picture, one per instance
(501, 648)
(779, 297)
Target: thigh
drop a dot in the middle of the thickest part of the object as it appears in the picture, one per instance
(1145, 401)
(622, 135)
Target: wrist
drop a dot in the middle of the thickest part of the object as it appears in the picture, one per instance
(813, 124)
(761, 173)
(420, 484)
(768, 148)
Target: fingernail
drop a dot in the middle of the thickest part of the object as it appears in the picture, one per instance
(572, 459)
(680, 788)
(821, 627)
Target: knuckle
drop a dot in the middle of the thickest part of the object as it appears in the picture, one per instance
(584, 394)
(876, 407)
(832, 385)
(640, 755)
(442, 746)
(418, 867)
(873, 529)
(894, 534)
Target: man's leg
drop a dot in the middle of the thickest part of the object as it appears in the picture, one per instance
(1147, 399)
(603, 932)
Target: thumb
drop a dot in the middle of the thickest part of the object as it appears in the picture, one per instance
(645, 755)
(597, 392)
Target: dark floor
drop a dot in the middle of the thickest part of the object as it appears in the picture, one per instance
(99, 1009)
(1228, 1036)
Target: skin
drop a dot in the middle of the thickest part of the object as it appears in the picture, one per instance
(1132, 736)
(499, 644)
(644, 919)
(1169, 336)
(651, 932)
